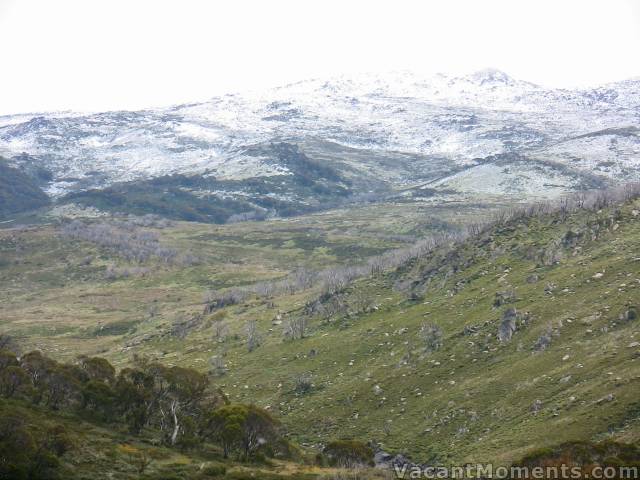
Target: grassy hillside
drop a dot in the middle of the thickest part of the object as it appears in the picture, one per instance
(570, 367)
(411, 359)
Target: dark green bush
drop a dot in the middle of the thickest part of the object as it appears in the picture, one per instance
(213, 470)
(348, 453)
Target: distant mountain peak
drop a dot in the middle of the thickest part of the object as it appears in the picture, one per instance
(492, 76)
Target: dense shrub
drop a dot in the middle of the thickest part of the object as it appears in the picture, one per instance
(28, 452)
(585, 456)
(348, 454)
(242, 429)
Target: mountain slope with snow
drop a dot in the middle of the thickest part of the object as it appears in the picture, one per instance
(381, 131)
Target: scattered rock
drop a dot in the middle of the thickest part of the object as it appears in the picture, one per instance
(606, 399)
(382, 459)
(469, 330)
(543, 342)
(630, 314)
(502, 298)
(536, 406)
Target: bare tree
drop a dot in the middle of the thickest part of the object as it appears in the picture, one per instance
(295, 328)
(129, 240)
(218, 365)
(508, 325)
(220, 330)
(253, 337)
(216, 300)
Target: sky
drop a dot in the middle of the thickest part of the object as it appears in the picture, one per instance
(94, 55)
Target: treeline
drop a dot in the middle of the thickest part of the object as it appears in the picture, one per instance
(130, 239)
(177, 405)
(19, 192)
(334, 280)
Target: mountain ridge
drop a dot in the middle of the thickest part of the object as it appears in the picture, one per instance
(399, 127)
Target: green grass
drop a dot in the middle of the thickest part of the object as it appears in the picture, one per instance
(469, 401)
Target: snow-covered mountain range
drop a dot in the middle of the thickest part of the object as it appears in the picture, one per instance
(399, 128)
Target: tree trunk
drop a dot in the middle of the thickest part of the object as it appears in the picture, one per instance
(176, 426)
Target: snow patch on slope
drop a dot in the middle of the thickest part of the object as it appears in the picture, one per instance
(458, 119)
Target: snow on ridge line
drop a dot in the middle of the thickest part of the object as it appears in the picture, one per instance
(459, 118)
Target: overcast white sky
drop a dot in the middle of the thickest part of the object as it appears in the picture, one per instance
(126, 54)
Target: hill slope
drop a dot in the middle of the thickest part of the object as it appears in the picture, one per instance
(475, 351)
(18, 192)
(566, 292)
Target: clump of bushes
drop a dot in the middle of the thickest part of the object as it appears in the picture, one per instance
(213, 470)
(303, 384)
(242, 429)
(584, 455)
(347, 454)
(30, 452)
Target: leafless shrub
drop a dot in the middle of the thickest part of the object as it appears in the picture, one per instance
(431, 336)
(303, 384)
(220, 330)
(552, 253)
(114, 272)
(216, 300)
(128, 239)
(327, 306)
(149, 220)
(295, 328)
(253, 337)
(181, 327)
(360, 302)
(254, 215)
(217, 365)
